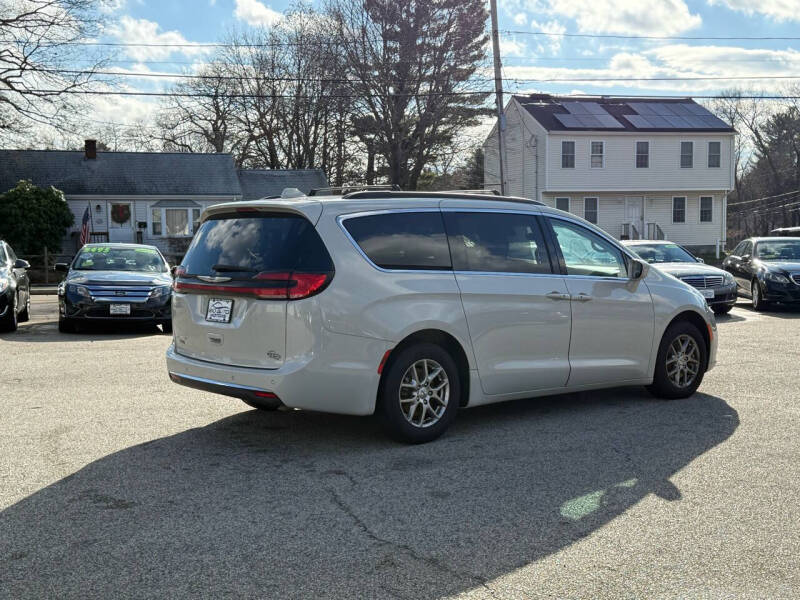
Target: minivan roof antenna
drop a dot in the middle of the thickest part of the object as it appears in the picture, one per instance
(291, 192)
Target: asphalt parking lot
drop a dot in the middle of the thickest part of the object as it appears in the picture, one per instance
(114, 482)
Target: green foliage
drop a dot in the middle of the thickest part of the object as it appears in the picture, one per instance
(32, 218)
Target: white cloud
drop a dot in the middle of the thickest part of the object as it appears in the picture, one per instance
(254, 12)
(509, 47)
(141, 31)
(779, 10)
(551, 43)
(520, 18)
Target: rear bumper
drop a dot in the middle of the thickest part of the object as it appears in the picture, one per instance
(341, 376)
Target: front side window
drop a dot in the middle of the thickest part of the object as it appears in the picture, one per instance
(562, 204)
(590, 209)
(747, 249)
(679, 210)
(706, 209)
(586, 253)
(567, 155)
(597, 152)
(402, 240)
(497, 243)
(687, 155)
(642, 155)
(713, 155)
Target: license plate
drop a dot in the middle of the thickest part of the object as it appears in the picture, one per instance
(119, 309)
(219, 310)
(708, 293)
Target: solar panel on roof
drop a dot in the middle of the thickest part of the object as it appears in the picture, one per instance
(639, 121)
(588, 121)
(589, 115)
(576, 108)
(568, 120)
(609, 121)
(696, 109)
(678, 122)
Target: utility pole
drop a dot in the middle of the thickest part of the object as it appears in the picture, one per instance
(498, 89)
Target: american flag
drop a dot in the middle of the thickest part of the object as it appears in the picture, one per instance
(85, 227)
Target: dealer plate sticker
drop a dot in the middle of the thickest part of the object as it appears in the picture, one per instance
(708, 293)
(219, 310)
(119, 309)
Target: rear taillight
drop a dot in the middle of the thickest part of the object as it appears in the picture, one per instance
(270, 286)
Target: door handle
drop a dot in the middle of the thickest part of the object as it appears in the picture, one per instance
(582, 297)
(557, 296)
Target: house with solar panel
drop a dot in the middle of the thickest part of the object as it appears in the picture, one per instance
(656, 168)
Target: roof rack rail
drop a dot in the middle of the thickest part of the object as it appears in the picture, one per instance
(475, 191)
(352, 187)
(458, 194)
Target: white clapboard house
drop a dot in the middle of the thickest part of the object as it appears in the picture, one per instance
(639, 168)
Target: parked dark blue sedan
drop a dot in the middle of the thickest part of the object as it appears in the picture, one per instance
(115, 282)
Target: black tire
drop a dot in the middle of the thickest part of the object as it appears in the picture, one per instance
(166, 327)
(25, 315)
(721, 310)
(389, 408)
(66, 325)
(759, 304)
(663, 386)
(266, 405)
(9, 321)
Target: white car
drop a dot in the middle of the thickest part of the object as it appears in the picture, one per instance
(412, 305)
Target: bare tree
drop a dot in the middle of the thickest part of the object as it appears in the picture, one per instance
(39, 42)
(411, 64)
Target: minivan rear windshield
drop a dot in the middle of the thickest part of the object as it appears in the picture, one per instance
(240, 247)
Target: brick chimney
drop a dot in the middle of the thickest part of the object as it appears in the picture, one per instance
(90, 149)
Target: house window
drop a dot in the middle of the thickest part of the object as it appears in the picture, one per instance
(679, 209)
(687, 155)
(642, 155)
(713, 155)
(596, 157)
(706, 209)
(156, 221)
(562, 204)
(567, 155)
(174, 222)
(590, 210)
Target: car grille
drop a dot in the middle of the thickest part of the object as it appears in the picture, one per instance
(796, 278)
(703, 281)
(134, 293)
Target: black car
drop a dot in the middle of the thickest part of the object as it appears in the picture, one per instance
(767, 270)
(115, 282)
(15, 289)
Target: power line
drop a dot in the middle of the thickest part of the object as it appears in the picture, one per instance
(760, 199)
(652, 37)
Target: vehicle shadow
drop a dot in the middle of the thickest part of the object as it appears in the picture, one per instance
(47, 331)
(781, 311)
(305, 505)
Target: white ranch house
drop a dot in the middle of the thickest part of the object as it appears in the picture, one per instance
(638, 168)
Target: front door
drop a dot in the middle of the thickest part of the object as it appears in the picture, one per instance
(612, 317)
(120, 222)
(634, 213)
(517, 308)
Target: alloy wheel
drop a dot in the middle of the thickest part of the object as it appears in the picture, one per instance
(683, 361)
(424, 393)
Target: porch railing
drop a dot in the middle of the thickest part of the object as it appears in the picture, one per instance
(654, 232)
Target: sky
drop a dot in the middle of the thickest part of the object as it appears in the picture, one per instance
(584, 47)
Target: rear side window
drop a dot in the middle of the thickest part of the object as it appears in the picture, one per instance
(402, 240)
(2, 255)
(240, 247)
(497, 243)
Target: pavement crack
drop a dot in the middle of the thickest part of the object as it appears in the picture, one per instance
(437, 563)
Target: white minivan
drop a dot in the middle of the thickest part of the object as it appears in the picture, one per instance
(412, 305)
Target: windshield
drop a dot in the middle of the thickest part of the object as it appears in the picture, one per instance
(778, 250)
(662, 253)
(109, 258)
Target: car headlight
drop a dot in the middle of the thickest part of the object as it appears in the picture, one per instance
(4, 282)
(728, 279)
(776, 277)
(162, 290)
(78, 289)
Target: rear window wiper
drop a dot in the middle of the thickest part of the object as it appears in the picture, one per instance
(232, 269)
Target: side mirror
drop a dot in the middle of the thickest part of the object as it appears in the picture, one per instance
(638, 269)
(22, 264)
(173, 270)
(746, 258)
(63, 267)
(698, 259)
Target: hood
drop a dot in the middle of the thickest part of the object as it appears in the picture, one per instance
(119, 278)
(791, 266)
(682, 269)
